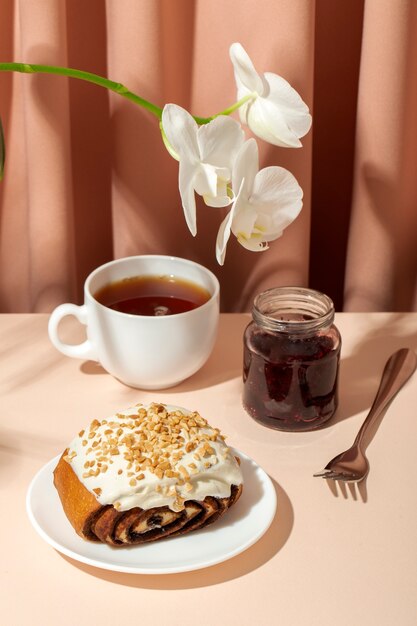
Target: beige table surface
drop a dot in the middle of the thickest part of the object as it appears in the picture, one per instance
(331, 556)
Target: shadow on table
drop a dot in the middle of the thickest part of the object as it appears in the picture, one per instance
(17, 341)
(255, 556)
(361, 371)
(357, 492)
(16, 446)
(225, 362)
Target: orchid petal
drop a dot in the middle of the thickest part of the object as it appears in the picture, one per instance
(223, 235)
(222, 198)
(180, 129)
(246, 167)
(218, 201)
(289, 101)
(186, 187)
(272, 235)
(219, 141)
(205, 179)
(254, 245)
(265, 119)
(244, 222)
(245, 72)
(244, 215)
(277, 199)
(167, 145)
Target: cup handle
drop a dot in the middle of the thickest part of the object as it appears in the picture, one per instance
(83, 350)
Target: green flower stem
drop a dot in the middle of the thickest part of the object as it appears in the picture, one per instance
(27, 68)
(88, 76)
(228, 111)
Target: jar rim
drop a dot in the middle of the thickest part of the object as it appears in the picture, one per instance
(312, 310)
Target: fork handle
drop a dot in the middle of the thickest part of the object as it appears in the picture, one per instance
(397, 371)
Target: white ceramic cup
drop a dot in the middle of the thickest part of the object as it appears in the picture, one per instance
(143, 351)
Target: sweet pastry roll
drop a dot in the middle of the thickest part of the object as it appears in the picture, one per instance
(146, 474)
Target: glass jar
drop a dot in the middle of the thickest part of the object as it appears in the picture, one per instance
(291, 359)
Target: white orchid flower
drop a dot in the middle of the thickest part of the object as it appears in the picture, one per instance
(206, 155)
(275, 112)
(266, 202)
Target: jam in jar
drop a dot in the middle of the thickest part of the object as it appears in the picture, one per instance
(291, 359)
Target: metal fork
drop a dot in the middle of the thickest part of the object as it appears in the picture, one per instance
(352, 465)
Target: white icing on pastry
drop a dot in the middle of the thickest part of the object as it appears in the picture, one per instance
(152, 456)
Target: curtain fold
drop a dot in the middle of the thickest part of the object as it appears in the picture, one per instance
(88, 179)
(382, 249)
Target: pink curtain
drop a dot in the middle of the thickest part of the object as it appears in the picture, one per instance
(87, 178)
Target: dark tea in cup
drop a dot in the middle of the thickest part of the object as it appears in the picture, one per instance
(152, 295)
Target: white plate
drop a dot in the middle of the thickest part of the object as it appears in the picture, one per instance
(236, 531)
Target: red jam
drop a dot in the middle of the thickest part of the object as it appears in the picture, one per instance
(290, 365)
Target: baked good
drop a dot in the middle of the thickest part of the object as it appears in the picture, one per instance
(148, 473)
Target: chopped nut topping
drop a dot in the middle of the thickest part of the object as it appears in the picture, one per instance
(154, 440)
(190, 446)
(183, 471)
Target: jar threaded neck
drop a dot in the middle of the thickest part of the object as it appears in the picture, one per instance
(293, 310)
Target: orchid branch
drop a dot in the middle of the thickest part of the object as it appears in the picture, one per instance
(122, 90)
(228, 111)
(118, 88)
